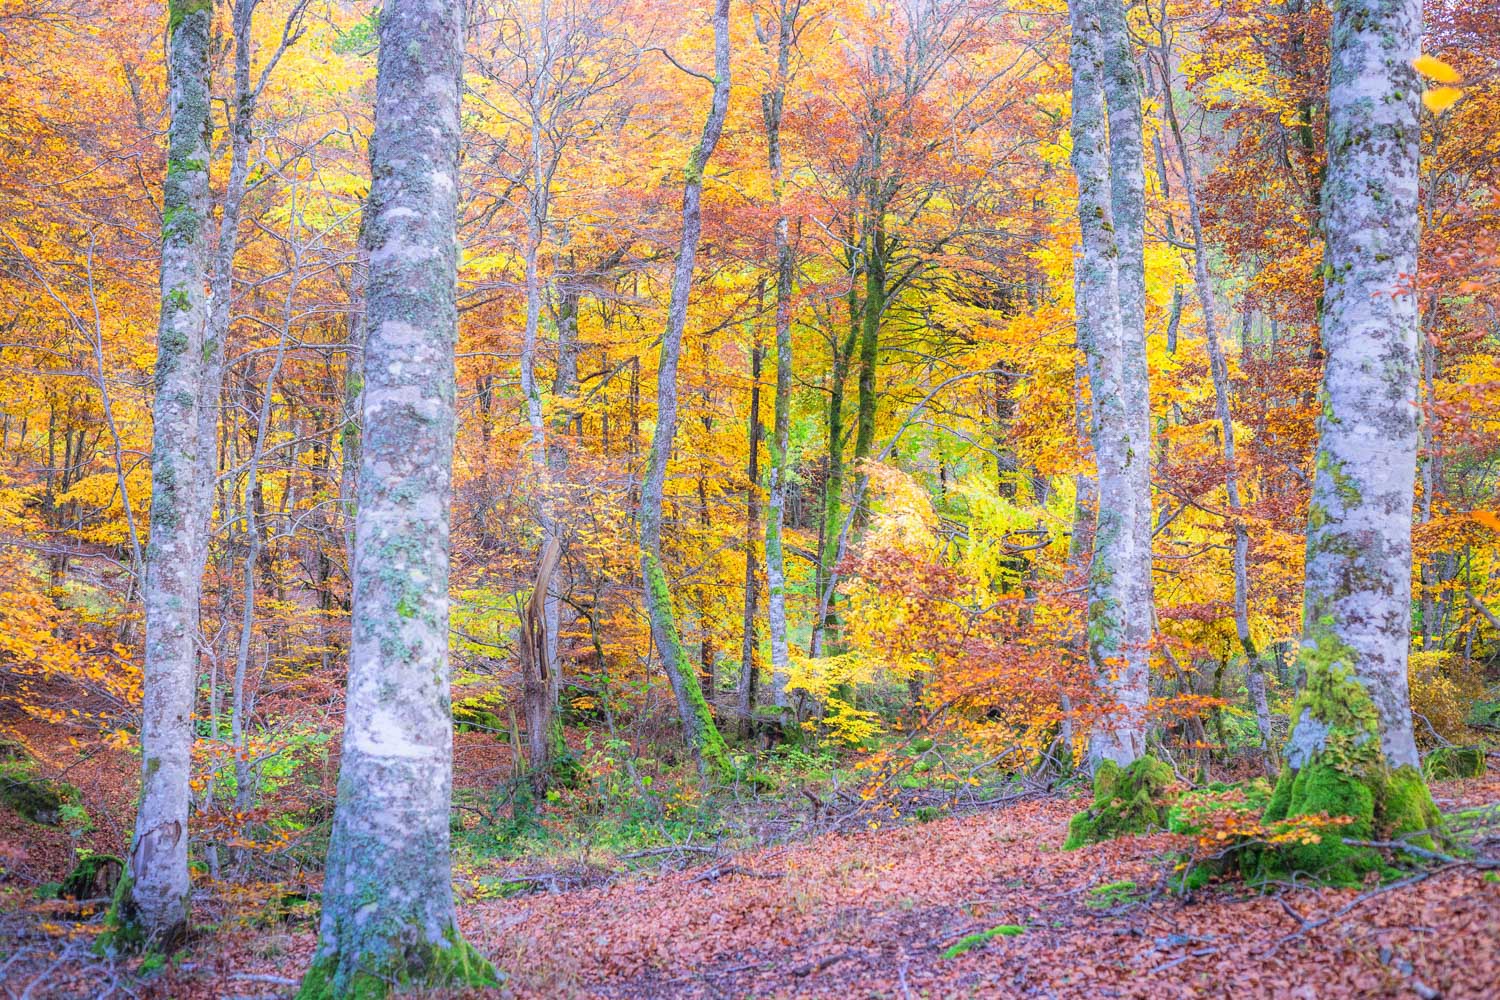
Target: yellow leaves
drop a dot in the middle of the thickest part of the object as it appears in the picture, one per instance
(848, 724)
(1440, 98)
(1435, 69)
(820, 675)
(904, 518)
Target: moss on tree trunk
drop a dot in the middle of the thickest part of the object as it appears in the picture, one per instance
(397, 965)
(1335, 768)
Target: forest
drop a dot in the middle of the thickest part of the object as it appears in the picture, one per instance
(749, 498)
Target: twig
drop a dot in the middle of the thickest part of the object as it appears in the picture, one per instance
(257, 977)
(1423, 852)
(802, 971)
(1178, 961)
(673, 849)
(716, 873)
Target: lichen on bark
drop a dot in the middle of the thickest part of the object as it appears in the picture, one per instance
(388, 917)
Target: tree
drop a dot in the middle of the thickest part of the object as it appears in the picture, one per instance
(151, 906)
(1111, 333)
(1219, 372)
(1352, 752)
(780, 42)
(388, 913)
(698, 727)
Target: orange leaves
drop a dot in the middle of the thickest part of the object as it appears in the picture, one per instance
(1489, 519)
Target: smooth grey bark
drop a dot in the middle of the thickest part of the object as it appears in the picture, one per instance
(772, 104)
(699, 731)
(1120, 613)
(1357, 602)
(1255, 678)
(388, 911)
(154, 903)
(564, 386)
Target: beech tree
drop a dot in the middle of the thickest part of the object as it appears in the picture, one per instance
(550, 65)
(151, 906)
(1352, 751)
(1111, 332)
(388, 911)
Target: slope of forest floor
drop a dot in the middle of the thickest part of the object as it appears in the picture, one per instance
(881, 913)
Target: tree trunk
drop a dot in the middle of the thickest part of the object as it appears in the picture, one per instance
(1109, 309)
(388, 911)
(1357, 606)
(539, 684)
(745, 689)
(539, 711)
(869, 352)
(772, 106)
(1352, 751)
(152, 906)
(832, 526)
(699, 731)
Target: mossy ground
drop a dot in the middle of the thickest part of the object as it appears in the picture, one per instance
(1133, 799)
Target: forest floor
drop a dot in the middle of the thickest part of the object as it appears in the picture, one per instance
(877, 913)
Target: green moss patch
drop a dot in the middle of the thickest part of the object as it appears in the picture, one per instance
(471, 716)
(37, 799)
(1485, 714)
(1195, 811)
(1134, 799)
(969, 942)
(1112, 894)
(94, 877)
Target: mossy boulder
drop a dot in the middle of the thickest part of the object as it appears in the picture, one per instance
(1132, 799)
(1454, 762)
(37, 799)
(1336, 771)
